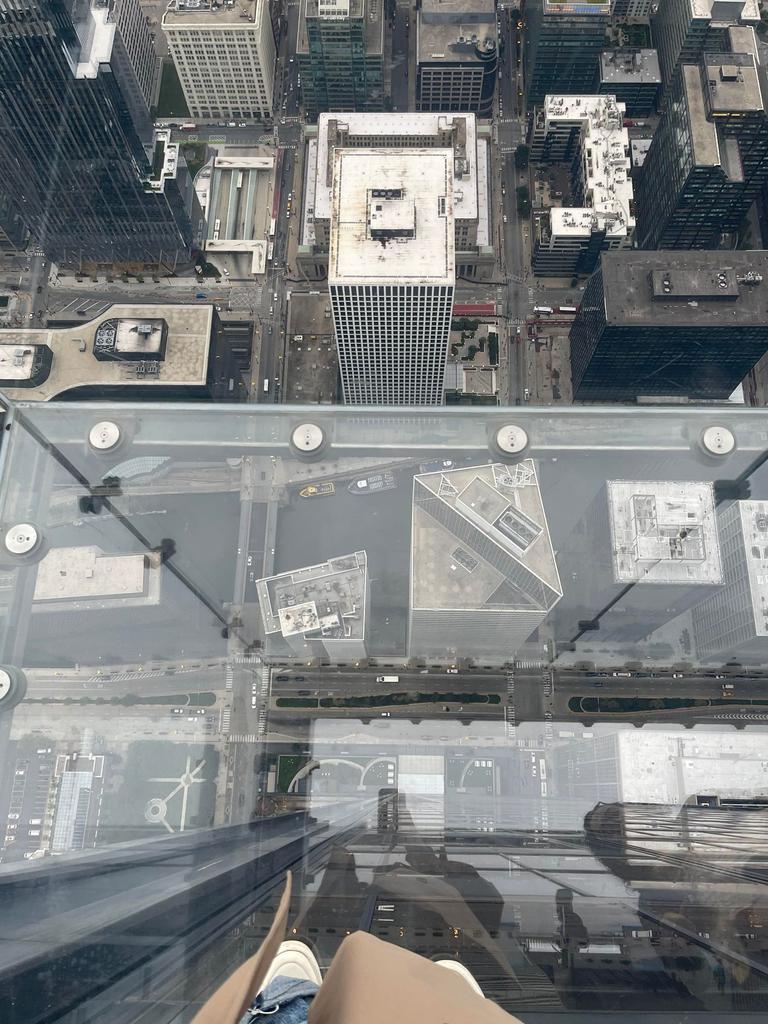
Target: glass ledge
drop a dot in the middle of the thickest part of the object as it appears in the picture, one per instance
(492, 683)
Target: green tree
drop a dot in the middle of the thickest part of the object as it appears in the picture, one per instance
(521, 157)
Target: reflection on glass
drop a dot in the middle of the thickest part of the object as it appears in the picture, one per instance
(509, 709)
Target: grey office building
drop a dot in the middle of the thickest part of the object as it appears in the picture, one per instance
(644, 552)
(709, 156)
(456, 55)
(483, 571)
(633, 77)
(340, 48)
(563, 43)
(733, 621)
(74, 164)
(688, 324)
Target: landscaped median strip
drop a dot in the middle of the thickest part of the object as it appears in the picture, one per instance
(384, 700)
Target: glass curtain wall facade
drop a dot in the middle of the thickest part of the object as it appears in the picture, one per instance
(563, 43)
(581, 822)
(709, 157)
(73, 164)
(341, 58)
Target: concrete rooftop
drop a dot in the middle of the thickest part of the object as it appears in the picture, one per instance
(189, 13)
(694, 276)
(445, 29)
(400, 130)
(424, 212)
(633, 67)
(329, 597)
(74, 365)
(664, 531)
(494, 504)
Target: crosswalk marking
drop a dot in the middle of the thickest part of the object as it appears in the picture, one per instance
(510, 725)
(116, 676)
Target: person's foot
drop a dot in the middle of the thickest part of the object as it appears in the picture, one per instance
(294, 960)
(459, 968)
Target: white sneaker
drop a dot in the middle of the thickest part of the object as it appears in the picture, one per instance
(459, 968)
(294, 960)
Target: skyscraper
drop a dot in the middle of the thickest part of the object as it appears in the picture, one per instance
(685, 29)
(469, 143)
(391, 272)
(135, 60)
(633, 77)
(644, 552)
(483, 572)
(225, 56)
(733, 621)
(456, 55)
(688, 324)
(563, 42)
(709, 156)
(340, 50)
(73, 165)
(318, 610)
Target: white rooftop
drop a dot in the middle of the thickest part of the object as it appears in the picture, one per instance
(419, 213)
(664, 531)
(669, 767)
(392, 129)
(498, 527)
(726, 11)
(170, 166)
(17, 361)
(605, 158)
(640, 149)
(754, 529)
(191, 13)
(97, 38)
(330, 597)
(86, 572)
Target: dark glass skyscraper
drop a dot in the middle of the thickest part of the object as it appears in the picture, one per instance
(688, 324)
(340, 49)
(709, 156)
(563, 42)
(72, 161)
